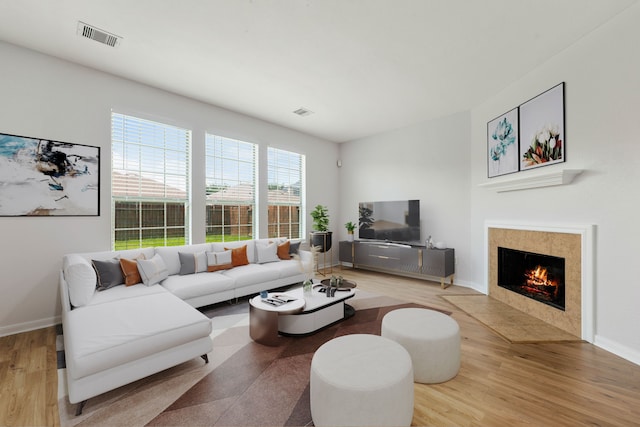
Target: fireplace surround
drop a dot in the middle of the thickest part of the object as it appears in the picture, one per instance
(571, 243)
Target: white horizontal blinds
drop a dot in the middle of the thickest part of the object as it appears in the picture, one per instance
(150, 160)
(150, 182)
(230, 188)
(285, 193)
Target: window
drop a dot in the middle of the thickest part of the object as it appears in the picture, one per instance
(149, 183)
(285, 173)
(230, 186)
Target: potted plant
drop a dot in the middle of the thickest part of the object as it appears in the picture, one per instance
(321, 236)
(350, 226)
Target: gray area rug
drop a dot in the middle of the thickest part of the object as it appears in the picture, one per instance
(245, 383)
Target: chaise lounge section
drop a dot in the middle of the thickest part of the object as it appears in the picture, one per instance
(129, 314)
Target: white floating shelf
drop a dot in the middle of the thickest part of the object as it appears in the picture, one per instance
(548, 179)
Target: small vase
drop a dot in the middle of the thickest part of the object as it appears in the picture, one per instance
(307, 287)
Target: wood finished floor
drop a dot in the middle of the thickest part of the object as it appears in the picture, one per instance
(499, 384)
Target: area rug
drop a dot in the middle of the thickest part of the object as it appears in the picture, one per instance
(511, 324)
(244, 383)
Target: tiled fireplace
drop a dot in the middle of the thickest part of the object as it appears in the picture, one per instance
(545, 271)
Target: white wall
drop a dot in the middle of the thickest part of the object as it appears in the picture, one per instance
(427, 161)
(602, 102)
(443, 162)
(45, 97)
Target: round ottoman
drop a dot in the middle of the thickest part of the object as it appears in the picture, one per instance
(431, 338)
(361, 380)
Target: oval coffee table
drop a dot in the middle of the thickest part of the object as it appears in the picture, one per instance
(263, 317)
(304, 316)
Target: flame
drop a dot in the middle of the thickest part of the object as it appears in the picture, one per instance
(537, 281)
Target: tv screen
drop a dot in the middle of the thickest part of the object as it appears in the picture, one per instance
(394, 221)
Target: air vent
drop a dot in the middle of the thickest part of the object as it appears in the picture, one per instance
(93, 33)
(303, 112)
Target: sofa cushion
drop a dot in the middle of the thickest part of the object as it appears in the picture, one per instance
(197, 285)
(251, 247)
(191, 263)
(266, 252)
(109, 335)
(81, 279)
(108, 272)
(251, 274)
(152, 270)
(171, 258)
(122, 292)
(285, 268)
(217, 261)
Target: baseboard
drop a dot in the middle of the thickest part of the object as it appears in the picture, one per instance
(618, 349)
(29, 326)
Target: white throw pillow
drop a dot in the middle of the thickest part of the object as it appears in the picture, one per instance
(267, 252)
(81, 280)
(217, 261)
(152, 270)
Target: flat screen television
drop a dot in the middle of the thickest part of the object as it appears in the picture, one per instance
(393, 221)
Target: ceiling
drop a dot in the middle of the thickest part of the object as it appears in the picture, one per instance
(362, 66)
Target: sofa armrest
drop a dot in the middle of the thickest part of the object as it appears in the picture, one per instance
(64, 294)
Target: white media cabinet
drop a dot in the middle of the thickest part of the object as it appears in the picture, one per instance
(407, 260)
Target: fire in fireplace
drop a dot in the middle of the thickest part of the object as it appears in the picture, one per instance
(537, 276)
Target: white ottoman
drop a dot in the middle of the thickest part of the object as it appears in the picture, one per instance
(361, 380)
(431, 338)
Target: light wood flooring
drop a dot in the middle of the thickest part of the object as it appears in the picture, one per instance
(499, 383)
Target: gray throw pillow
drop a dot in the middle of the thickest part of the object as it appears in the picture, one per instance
(294, 248)
(109, 273)
(191, 263)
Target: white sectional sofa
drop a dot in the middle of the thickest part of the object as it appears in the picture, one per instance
(116, 333)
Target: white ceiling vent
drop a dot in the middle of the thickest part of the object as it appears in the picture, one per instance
(93, 33)
(303, 112)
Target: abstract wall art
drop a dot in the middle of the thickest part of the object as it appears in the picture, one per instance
(42, 177)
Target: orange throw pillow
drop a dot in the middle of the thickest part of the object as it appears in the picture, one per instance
(238, 256)
(130, 271)
(283, 250)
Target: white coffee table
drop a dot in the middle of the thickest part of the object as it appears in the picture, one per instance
(305, 315)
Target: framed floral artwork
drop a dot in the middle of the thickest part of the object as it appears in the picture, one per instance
(502, 144)
(542, 130)
(42, 177)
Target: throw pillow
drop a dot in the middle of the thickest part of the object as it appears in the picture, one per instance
(217, 261)
(130, 271)
(283, 250)
(238, 256)
(267, 252)
(191, 263)
(294, 248)
(108, 272)
(152, 270)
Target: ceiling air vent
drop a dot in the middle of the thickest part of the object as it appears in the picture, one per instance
(93, 33)
(303, 112)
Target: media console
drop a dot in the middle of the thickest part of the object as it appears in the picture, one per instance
(407, 260)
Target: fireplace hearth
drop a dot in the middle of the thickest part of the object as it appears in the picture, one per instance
(537, 276)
